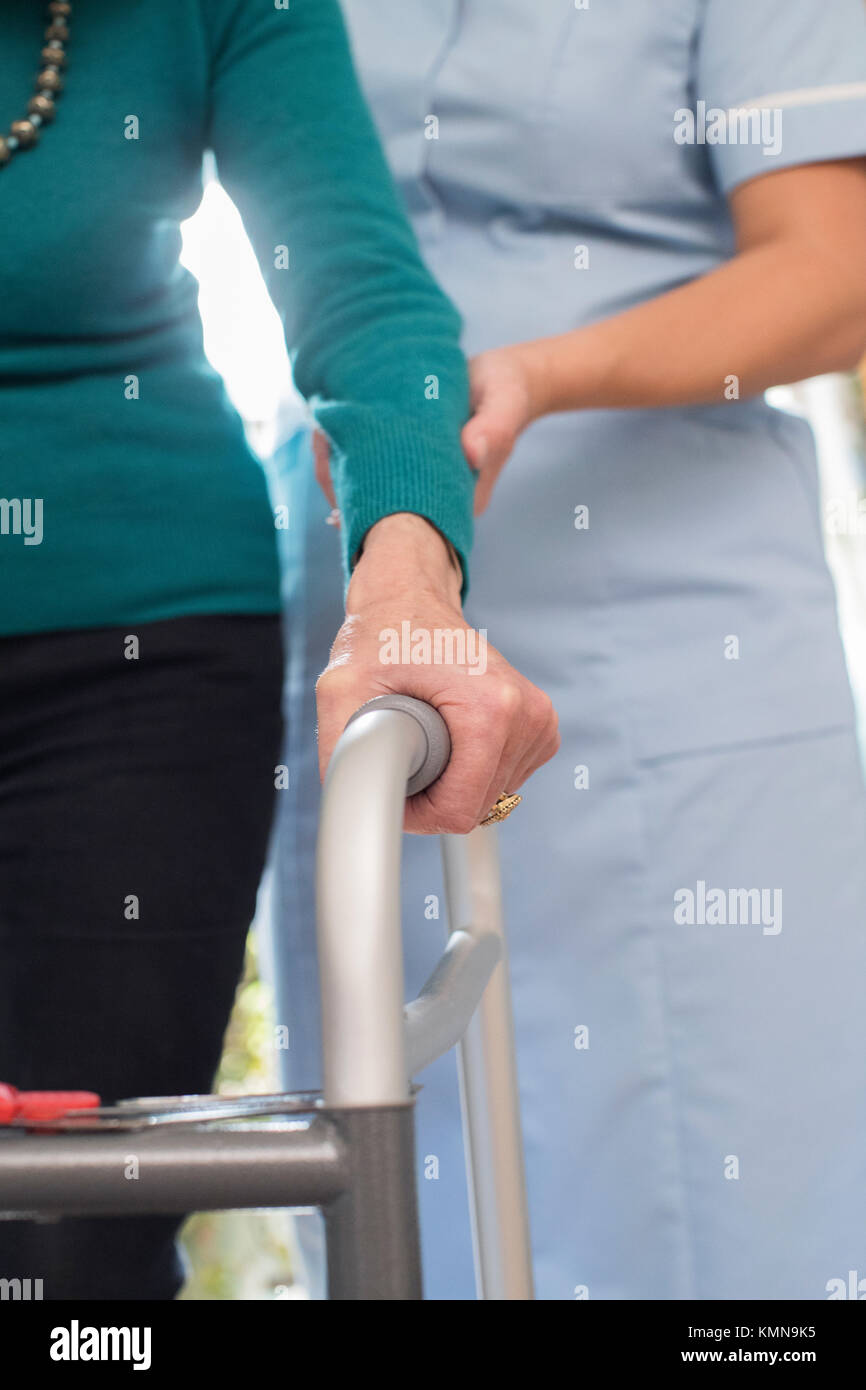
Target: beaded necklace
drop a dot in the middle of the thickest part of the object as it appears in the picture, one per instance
(41, 108)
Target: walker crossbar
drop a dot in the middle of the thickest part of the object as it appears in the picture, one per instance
(355, 1157)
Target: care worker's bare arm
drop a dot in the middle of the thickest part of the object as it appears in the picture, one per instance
(790, 304)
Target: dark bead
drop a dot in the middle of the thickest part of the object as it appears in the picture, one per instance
(42, 106)
(26, 134)
(55, 56)
(5, 152)
(49, 81)
(59, 8)
(57, 30)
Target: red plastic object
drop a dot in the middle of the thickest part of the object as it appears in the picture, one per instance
(42, 1105)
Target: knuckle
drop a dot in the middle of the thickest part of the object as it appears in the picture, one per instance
(505, 701)
(543, 712)
(334, 678)
(335, 683)
(551, 748)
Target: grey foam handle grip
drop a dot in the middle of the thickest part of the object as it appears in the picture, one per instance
(435, 730)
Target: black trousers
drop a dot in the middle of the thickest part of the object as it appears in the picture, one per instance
(136, 795)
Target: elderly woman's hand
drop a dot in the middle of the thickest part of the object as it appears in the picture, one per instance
(502, 727)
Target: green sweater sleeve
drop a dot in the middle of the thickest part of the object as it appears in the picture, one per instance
(374, 342)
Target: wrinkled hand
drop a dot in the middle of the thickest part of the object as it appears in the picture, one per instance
(502, 727)
(505, 399)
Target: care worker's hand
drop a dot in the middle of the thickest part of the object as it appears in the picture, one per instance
(505, 399)
(502, 727)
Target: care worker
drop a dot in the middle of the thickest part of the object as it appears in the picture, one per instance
(685, 884)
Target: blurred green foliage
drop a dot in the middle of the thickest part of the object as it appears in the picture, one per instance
(242, 1255)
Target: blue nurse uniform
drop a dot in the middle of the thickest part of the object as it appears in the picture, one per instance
(686, 881)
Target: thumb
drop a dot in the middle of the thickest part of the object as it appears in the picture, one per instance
(488, 440)
(476, 445)
(498, 418)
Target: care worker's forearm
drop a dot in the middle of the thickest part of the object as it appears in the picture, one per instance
(775, 314)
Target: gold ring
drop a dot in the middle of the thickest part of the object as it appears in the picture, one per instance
(505, 804)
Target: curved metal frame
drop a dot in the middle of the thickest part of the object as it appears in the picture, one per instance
(355, 1158)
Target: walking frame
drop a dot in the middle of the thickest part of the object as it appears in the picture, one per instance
(354, 1156)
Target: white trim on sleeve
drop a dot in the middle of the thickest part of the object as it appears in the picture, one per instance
(806, 96)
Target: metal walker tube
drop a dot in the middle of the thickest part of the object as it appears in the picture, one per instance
(356, 1156)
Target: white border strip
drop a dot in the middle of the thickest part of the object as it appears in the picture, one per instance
(806, 96)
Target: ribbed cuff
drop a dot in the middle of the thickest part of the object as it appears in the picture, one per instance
(395, 464)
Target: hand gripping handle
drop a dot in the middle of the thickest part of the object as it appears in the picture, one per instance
(438, 751)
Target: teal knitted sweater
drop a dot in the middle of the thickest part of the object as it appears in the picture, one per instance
(128, 492)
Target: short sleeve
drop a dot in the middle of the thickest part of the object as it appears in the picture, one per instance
(790, 78)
